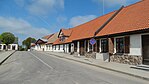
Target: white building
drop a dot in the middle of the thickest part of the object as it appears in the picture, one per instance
(10, 47)
(13, 46)
(46, 43)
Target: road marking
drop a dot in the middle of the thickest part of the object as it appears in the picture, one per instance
(41, 60)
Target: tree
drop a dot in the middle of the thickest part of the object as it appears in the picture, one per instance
(27, 42)
(21, 48)
(7, 38)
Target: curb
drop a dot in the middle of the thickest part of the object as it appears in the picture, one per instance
(6, 58)
(144, 78)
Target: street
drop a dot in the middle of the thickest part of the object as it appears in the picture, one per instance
(41, 68)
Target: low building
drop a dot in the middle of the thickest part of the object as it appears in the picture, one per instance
(46, 43)
(33, 47)
(62, 44)
(127, 35)
(51, 40)
(120, 36)
(13, 46)
(40, 45)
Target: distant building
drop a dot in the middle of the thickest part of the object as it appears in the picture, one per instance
(13, 46)
(45, 43)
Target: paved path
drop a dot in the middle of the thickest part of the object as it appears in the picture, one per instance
(4, 55)
(37, 68)
(118, 67)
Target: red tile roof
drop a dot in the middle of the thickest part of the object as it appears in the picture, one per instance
(33, 44)
(66, 32)
(88, 29)
(85, 30)
(53, 38)
(58, 42)
(131, 18)
(47, 36)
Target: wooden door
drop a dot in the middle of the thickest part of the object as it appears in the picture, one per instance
(82, 48)
(111, 45)
(145, 49)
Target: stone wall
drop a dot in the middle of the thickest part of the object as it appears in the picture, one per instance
(126, 59)
(74, 53)
(90, 55)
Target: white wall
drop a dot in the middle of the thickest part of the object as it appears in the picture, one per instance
(40, 47)
(47, 47)
(135, 45)
(11, 46)
(78, 46)
(67, 50)
(72, 47)
(88, 46)
(61, 48)
(58, 49)
(43, 47)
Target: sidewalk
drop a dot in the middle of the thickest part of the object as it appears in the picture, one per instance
(117, 67)
(4, 55)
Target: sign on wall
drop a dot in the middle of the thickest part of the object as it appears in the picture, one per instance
(92, 41)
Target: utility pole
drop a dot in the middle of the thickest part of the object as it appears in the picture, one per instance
(103, 4)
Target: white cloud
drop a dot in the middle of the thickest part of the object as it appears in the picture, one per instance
(21, 27)
(75, 21)
(61, 19)
(110, 3)
(41, 7)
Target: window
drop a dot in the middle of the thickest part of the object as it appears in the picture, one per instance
(119, 45)
(104, 45)
(96, 46)
(62, 38)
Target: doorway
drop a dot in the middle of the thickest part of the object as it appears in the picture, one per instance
(13, 47)
(4, 47)
(145, 49)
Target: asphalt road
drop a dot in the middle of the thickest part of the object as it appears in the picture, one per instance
(41, 68)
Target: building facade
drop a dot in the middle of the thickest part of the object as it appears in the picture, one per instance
(120, 36)
(13, 46)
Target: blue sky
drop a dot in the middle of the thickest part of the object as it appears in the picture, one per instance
(36, 18)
